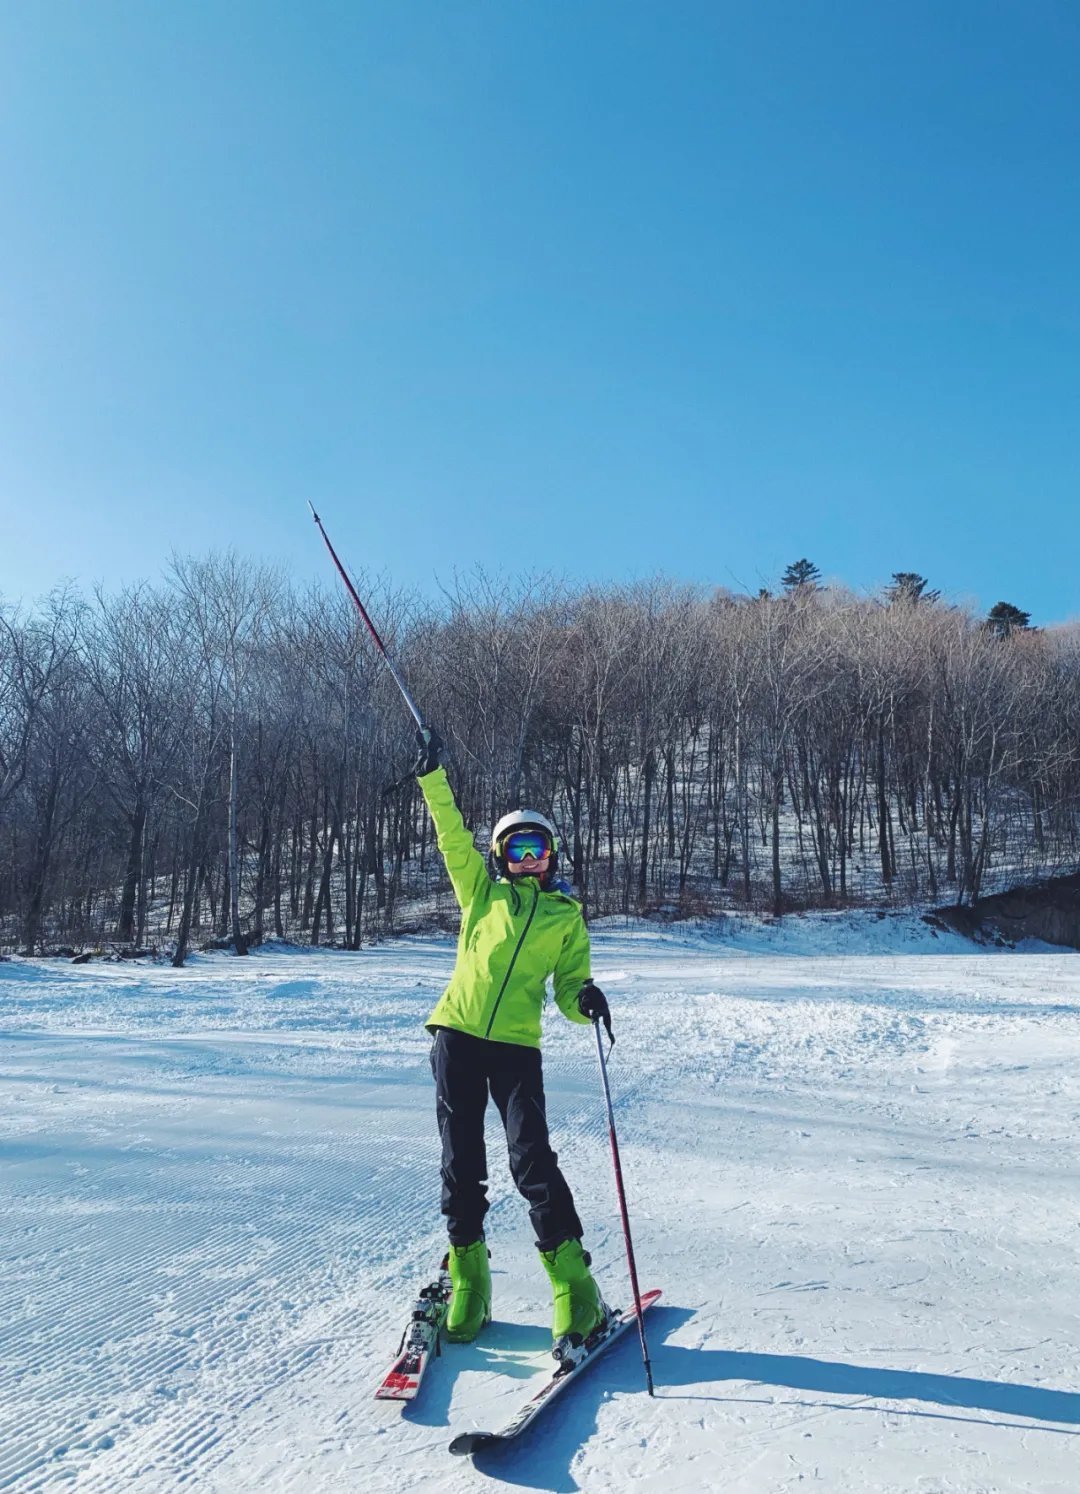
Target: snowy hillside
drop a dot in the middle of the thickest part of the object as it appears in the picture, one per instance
(852, 1149)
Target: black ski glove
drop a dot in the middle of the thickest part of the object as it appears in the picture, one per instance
(592, 1003)
(431, 746)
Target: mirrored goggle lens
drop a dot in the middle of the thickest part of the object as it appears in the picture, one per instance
(526, 843)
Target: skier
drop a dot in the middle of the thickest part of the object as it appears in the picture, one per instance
(516, 931)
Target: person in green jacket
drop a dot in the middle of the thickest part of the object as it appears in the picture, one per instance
(516, 931)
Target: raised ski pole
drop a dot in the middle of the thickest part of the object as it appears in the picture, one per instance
(379, 644)
(622, 1202)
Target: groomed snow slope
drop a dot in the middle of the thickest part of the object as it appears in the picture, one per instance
(853, 1156)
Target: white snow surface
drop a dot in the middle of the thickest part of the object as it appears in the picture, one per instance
(852, 1153)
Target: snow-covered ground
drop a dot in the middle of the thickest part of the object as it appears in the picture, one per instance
(853, 1155)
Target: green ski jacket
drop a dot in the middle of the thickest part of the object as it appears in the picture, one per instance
(513, 936)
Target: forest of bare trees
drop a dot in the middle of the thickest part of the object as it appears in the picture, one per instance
(213, 757)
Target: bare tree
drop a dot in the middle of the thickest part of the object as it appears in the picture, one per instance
(133, 653)
(227, 602)
(32, 652)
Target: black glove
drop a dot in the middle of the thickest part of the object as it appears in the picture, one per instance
(592, 1003)
(430, 747)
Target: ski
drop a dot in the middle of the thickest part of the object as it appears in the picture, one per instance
(419, 1342)
(573, 1358)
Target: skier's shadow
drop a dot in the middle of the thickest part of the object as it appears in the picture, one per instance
(543, 1457)
(512, 1350)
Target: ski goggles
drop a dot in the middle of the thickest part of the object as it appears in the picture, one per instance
(521, 843)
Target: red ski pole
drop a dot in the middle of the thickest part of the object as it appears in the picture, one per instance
(622, 1206)
(379, 644)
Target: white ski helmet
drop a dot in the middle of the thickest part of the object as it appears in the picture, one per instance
(522, 819)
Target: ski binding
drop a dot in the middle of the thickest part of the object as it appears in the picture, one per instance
(419, 1342)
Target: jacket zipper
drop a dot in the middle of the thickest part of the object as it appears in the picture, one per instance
(513, 961)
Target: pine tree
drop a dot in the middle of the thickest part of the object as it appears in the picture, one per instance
(801, 573)
(909, 586)
(1004, 619)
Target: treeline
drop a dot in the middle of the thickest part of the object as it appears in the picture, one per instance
(215, 756)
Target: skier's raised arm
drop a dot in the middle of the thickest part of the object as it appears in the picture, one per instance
(464, 863)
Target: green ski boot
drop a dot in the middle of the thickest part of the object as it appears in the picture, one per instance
(470, 1303)
(577, 1306)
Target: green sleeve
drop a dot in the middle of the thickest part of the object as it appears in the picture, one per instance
(574, 968)
(468, 874)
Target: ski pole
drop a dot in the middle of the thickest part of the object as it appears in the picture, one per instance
(379, 644)
(622, 1205)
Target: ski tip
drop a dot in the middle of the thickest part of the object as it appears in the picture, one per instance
(466, 1443)
(647, 1299)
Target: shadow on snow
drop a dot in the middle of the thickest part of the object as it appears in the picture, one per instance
(543, 1457)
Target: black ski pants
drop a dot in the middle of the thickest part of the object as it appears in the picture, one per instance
(467, 1069)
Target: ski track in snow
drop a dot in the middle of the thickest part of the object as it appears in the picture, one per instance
(852, 1154)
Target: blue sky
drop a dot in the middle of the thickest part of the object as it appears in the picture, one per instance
(601, 288)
